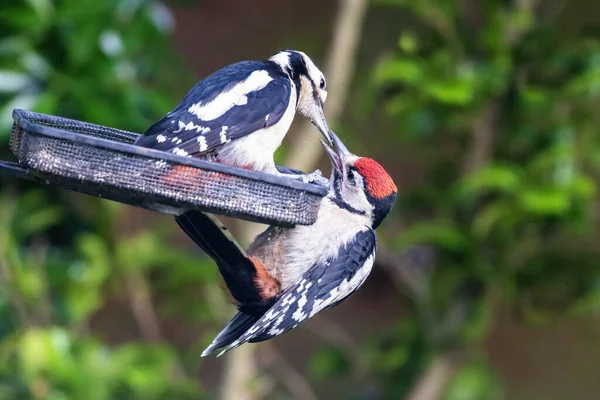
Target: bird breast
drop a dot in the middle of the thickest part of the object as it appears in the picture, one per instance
(289, 253)
(256, 150)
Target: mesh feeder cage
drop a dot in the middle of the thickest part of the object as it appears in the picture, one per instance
(102, 161)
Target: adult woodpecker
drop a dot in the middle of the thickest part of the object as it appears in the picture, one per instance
(290, 274)
(240, 114)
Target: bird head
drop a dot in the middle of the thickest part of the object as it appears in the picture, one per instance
(359, 184)
(310, 83)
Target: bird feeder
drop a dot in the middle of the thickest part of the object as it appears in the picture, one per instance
(102, 161)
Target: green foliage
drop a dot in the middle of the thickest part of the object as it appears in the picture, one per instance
(498, 107)
(63, 257)
(328, 363)
(397, 357)
(474, 382)
(85, 60)
(507, 199)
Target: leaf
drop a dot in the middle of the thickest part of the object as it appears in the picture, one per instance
(12, 81)
(493, 215)
(97, 260)
(583, 187)
(480, 321)
(502, 178)
(457, 92)
(399, 70)
(29, 282)
(41, 220)
(328, 362)
(23, 101)
(44, 9)
(443, 234)
(408, 43)
(43, 350)
(545, 202)
(473, 382)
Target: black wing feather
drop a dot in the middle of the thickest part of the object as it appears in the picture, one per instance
(179, 130)
(239, 324)
(316, 290)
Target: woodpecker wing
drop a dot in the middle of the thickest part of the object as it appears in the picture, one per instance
(322, 286)
(239, 324)
(231, 103)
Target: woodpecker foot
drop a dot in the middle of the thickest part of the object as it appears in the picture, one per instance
(315, 177)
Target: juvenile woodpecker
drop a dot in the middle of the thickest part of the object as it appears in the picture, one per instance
(290, 274)
(240, 114)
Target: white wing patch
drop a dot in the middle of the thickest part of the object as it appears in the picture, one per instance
(161, 138)
(323, 286)
(223, 134)
(300, 315)
(237, 95)
(346, 287)
(190, 126)
(202, 145)
(180, 152)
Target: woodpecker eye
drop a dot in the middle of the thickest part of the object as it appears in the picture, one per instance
(350, 177)
(322, 84)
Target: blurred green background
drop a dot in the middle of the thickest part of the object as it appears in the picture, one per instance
(487, 279)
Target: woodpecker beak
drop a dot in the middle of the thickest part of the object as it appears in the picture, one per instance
(321, 123)
(341, 150)
(338, 155)
(336, 161)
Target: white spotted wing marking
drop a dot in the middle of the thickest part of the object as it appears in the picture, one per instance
(322, 286)
(239, 110)
(180, 152)
(223, 134)
(345, 288)
(190, 126)
(236, 96)
(202, 146)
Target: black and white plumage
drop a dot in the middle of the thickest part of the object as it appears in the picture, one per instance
(322, 286)
(290, 274)
(240, 114)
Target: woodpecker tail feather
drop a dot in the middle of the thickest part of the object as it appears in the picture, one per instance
(234, 329)
(237, 269)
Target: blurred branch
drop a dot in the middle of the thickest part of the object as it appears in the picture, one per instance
(6, 275)
(39, 253)
(515, 31)
(141, 305)
(293, 380)
(410, 269)
(304, 155)
(554, 10)
(482, 134)
(433, 382)
(239, 371)
(145, 315)
(339, 70)
(6, 280)
(337, 336)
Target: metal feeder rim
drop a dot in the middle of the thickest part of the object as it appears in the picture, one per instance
(21, 117)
